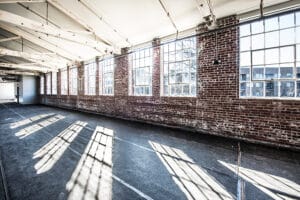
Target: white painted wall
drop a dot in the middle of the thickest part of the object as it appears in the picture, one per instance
(7, 91)
(28, 90)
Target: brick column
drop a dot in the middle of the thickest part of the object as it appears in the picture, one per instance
(68, 80)
(156, 68)
(121, 74)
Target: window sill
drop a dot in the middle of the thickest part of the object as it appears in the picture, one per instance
(271, 98)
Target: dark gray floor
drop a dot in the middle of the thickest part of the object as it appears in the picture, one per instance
(50, 153)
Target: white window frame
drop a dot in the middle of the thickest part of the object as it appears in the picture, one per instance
(141, 60)
(169, 59)
(250, 80)
(48, 83)
(73, 80)
(64, 82)
(42, 86)
(106, 71)
(54, 83)
(90, 70)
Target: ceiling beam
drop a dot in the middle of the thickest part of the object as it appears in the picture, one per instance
(57, 32)
(26, 67)
(34, 57)
(22, 1)
(17, 72)
(10, 39)
(40, 42)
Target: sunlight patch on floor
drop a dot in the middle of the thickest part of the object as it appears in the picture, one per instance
(274, 186)
(194, 181)
(38, 126)
(29, 120)
(50, 153)
(92, 178)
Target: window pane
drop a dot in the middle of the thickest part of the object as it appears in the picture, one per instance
(286, 72)
(258, 73)
(245, 30)
(245, 44)
(272, 56)
(272, 89)
(245, 89)
(297, 18)
(298, 88)
(272, 39)
(258, 41)
(271, 24)
(298, 53)
(258, 89)
(287, 89)
(258, 57)
(245, 59)
(298, 71)
(257, 27)
(244, 74)
(298, 35)
(271, 72)
(286, 20)
(286, 54)
(287, 36)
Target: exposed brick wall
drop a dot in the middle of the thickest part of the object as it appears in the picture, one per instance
(217, 108)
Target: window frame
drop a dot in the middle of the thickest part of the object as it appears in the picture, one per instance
(135, 64)
(54, 83)
(73, 90)
(278, 81)
(64, 82)
(190, 60)
(107, 62)
(90, 70)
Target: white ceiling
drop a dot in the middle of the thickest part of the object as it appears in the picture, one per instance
(116, 23)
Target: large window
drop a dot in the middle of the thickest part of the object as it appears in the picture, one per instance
(54, 83)
(64, 82)
(107, 75)
(179, 68)
(90, 79)
(42, 87)
(48, 83)
(73, 81)
(270, 57)
(141, 62)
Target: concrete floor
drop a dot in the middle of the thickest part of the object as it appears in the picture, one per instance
(50, 153)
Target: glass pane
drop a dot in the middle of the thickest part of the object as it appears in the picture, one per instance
(298, 53)
(298, 88)
(245, 44)
(286, 54)
(287, 36)
(245, 59)
(272, 56)
(298, 35)
(257, 27)
(258, 73)
(271, 72)
(258, 89)
(258, 41)
(272, 89)
(244, 74)
(286, 72)
(286, 20)
(258, 57)
(287, 89)
(272, 39)
(271, 24)
(245, 30)
(298, 18)
(245, 89)
(298, 72)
